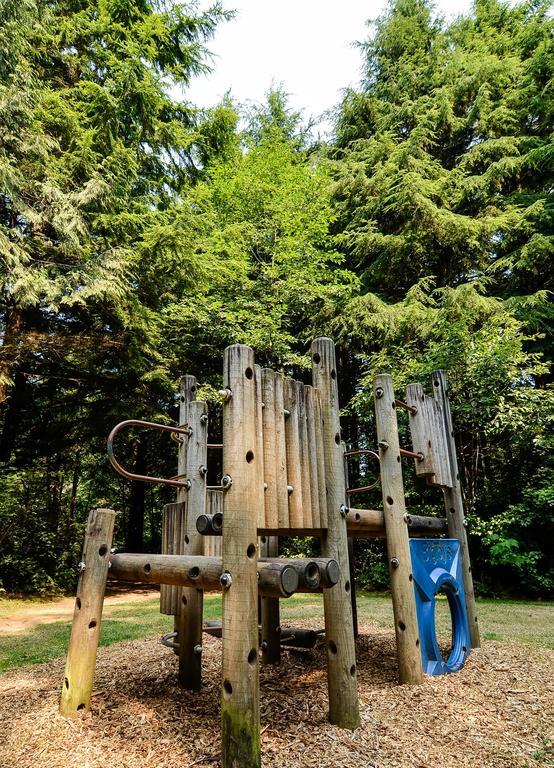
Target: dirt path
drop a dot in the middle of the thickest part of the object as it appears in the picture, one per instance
(62, 609)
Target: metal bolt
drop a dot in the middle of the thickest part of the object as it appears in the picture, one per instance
(286, 412)
(225, 394)
(197, 650)
(395, 562)
(379, 392)
(344, 510)
(187, 485)
(113, 550)
(290, 489)
(226, 580)
(204, 418)
(226, 481)
(203, 470)
(407, 519)
(465, 523)
(264, 645)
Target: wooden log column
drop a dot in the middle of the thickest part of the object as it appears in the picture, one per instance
(87, 616)
(271, 622)
(398, 547)
(341, 653)
(192, 463)
(454, 505)
(240, 706)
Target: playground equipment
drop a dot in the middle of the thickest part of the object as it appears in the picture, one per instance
(284, 474)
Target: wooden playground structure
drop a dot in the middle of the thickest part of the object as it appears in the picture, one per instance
(284, 474)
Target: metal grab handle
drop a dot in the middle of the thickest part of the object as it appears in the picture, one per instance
(146, 425)
(362, 452)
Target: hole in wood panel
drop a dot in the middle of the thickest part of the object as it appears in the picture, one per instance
(227, 687)
(337, 439)
(317, 358)
(78, 603)
(92, 624)
(147, 568)
(249, 456)
(401, 626)
(411, 577)
(333, 373)
(194, 573)
(81, 706)
(347, 586)
(332, 646)
(193, 390)
(66, 683)
(357, 516)
(187, 540)
(249, 373)
(252, 656)
(251, 551)
(398, 458)
(184, 600)
(102, 551)
(417, 643)
(353, 670)
(390, 500)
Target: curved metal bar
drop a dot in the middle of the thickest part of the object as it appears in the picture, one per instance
(145, 425)
(362, 452)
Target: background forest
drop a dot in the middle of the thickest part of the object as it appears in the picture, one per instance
(140, 235)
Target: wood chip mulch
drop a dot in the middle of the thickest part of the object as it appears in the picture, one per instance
(496, 713)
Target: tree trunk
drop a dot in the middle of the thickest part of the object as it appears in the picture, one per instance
(11, 347)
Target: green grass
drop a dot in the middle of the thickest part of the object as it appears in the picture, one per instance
(506, 621)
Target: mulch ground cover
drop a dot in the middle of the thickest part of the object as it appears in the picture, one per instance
(496, 713)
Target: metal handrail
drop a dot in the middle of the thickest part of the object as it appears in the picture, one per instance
(362, 452)
(146, 425)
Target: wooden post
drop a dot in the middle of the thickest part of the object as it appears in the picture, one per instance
(271, 622)
(341, 653)
(454, 506)
(87, 616)
(192, 463)
(398, 547)
(240, 706)
(351, 561)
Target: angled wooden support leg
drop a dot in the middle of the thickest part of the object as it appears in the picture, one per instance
(341, 653)
(242, 500)
(454, 506)
(191, 464)
(396, 529)
(87, 617)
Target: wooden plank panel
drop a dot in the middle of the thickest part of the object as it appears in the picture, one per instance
(313, 476)
(307, 519)
(281, 453)
(294, 462)
(270, 449)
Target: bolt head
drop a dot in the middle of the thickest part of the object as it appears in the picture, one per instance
(81, 566)
(225, 580)
(379, 392)
(395, 562)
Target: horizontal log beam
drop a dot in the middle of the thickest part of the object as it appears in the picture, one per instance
(371, 522)
(274, 579)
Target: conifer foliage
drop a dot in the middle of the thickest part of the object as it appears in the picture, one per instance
(139, 235)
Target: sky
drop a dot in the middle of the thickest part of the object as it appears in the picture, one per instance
(305, 45)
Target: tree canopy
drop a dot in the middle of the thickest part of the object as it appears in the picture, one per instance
(140, 235)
